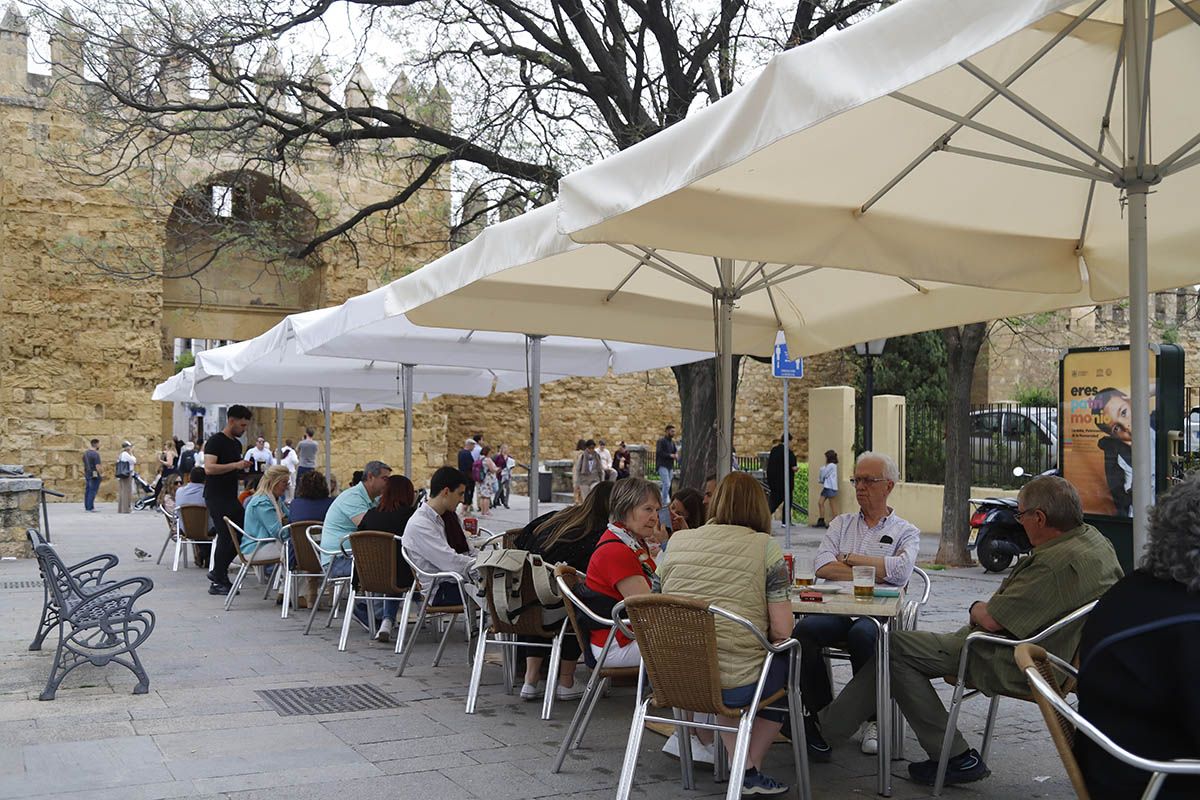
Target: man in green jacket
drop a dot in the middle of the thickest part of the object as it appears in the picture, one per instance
(1071, 565)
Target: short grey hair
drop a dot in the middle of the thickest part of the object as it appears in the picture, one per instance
(890, 470)
(628, 494)
(1173, 550)
(374, 469)
(1056, 498)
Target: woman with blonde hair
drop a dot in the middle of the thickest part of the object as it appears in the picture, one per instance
(267, 514)
(732, 561)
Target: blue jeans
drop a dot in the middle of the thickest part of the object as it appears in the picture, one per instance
(664, 477)
(816, 631)
(90, 487)
(741, 696)
(384, 609)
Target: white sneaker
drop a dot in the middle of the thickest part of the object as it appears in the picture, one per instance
(701, 753)
(384, 634)
(531, 691)
(870, 738)
(572, 692)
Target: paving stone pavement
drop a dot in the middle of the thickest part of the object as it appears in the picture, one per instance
(203, 732)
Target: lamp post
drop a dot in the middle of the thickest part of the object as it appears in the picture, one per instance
(870, 351)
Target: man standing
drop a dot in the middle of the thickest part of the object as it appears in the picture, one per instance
(466, 465)
(425, 534)
(306, 451)
(606, 461)
(223, 465)
(91, 475)
(260, 456)
(778, 474)
(874, 537)
(666, 453)
(591, 469)
(1071, 565)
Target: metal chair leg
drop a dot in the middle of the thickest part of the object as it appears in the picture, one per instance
(402, 626)
(989, 728)
(412, 637)
(741, 749)
(312, 614)
(349, 615)
(951, 725)
(587, 716)
(685, 751)
(799, 740)
(437, 657)
(625, 783)
(237, 585)
(476, 674)
(593, 689)
(552, 674)
(166, 542)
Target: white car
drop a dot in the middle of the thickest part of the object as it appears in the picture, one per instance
(1004, 437)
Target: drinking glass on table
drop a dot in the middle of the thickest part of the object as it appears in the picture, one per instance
(864, 582)
(805, 574)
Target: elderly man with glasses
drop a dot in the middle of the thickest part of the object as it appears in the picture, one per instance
(1071, 565)
(874, 536)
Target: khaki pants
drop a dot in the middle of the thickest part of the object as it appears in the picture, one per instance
(124, 495)
(918, 657)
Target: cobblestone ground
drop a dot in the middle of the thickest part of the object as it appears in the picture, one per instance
(203, 731)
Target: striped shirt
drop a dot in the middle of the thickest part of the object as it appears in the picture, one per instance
(894, 539)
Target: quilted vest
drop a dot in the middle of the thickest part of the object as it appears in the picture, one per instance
(725, 565)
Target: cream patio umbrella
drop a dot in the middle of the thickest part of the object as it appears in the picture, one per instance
(1002, 144)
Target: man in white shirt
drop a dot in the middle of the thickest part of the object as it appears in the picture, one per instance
(425, 534)
(874, 536)
(260, 456)
(606, 461)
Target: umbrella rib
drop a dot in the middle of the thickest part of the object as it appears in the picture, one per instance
(1144, 111)
(666, 267)
(1165, 166)
(1018, 162)
(766, 279)
(774, 308)
(773, 282)
(1003, 136)
(640, 263)
(1034, 112)
(1188, 11)
(747, 270)
(1105, 134)
(942, 140)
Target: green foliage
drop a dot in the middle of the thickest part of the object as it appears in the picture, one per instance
(185, 360)
(800, 492)
(913, 366)
(1035, 396)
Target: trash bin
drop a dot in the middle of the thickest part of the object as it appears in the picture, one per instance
(545, 479)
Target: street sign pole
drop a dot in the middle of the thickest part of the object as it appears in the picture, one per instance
(785, 368)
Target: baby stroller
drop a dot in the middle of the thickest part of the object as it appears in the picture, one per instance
(149, 494)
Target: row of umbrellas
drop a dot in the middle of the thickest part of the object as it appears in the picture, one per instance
(941, 163)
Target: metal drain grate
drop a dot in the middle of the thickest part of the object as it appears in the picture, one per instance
(20, 584)
(310, 700)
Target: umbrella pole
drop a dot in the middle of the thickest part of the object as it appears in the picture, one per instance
(535, 422)
(278, 426)
(725, 299)
(1136, 44)
(407, 372)
(325, 394)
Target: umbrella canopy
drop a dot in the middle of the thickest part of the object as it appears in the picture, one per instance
(187, 386)
(1010, 145)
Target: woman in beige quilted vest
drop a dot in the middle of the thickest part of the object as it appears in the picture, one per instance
(733, 562)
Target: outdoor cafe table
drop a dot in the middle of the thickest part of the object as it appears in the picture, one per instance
(882, 611)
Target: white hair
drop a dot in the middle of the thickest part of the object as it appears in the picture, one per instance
(890, 470)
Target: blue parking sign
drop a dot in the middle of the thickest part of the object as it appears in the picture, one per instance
(782, 367)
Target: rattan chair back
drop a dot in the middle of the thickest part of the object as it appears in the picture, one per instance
(1061, 729)
(193, 523)
(570, 578)
(306, 558)
(375, 563)
(678, 640)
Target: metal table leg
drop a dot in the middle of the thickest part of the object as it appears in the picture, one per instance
(883, 701)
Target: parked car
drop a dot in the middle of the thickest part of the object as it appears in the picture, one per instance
(1006, 436)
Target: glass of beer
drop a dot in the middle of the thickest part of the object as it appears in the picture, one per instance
(805, 574)
(864, 583)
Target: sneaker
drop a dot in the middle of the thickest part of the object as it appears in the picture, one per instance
(219, 588)
(820, 523)
(818, 749)
(217, 579)
(531, 691)
(870, 738)
(963, 768)
(573, 692)
(384, 634)
(754, 783)
(701, 753)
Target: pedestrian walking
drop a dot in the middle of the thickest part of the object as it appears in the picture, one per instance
(126, 464)
(666, 455)
(91, 475)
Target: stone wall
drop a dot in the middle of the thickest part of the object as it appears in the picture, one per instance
(20, 504)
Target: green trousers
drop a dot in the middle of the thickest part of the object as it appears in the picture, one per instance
(917, 657)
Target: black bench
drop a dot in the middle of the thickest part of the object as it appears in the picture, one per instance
(96, 620)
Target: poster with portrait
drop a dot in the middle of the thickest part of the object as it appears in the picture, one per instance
(1096, 427)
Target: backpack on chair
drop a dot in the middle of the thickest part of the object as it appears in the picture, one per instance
(516, 581)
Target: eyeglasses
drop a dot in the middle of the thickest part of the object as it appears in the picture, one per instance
(867, 481)
(1018, 514)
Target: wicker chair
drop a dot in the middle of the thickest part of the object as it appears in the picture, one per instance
(528, 624)
(192, 530)
(567, 578)
(1065, 722)
(252, 562)
(678, 641)
(307, 563)
(963, 690)
(312, 535)
(167, 507)
(431, 580)
(378, 579)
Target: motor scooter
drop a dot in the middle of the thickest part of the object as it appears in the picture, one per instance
(997, 533)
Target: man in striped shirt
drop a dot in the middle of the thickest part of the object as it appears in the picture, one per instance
(874, 536)
(1071, 565)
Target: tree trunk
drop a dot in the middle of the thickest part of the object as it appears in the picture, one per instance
(962, 349)
(697, 384)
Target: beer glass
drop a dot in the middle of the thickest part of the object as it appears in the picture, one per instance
(864, 583)
(805, 576)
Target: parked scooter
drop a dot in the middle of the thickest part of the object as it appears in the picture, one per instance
(998, 535)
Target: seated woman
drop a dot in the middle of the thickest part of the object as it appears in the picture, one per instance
(312, 498)
(564, 537)
(687, 510)
(734, 563)
(266, 514)
(621, 565)
(1138, 652)
(396, 506)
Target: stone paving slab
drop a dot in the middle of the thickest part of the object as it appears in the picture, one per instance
(202, 732)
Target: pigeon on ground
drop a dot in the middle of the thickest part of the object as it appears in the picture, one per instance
(141, 554)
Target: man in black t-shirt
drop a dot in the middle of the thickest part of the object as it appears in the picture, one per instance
(223, 465)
